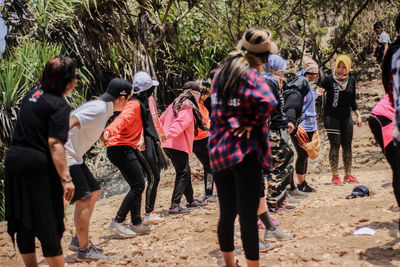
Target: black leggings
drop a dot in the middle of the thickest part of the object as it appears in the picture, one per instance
(149, 160)
(200, 149)
(302, 156)
(375, 124)
(127, 161)
(183, 183)
(237, 189)
(340, 133)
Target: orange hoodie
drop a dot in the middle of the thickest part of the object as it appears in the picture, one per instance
(126, 128)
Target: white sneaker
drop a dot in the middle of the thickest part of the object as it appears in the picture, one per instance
(121, 229)
(152, 218)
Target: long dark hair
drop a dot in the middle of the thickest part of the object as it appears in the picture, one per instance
(57, 74)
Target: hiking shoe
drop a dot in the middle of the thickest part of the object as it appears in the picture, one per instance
(286, 206)
(298, 193)
(336, 180)
(121, 229)
(74, 245)
(89, 254)
(152, 218)
(350, 179)
(292, 199)
(277, 234)
(196, 203)
(141, 228)
(178, 210)
(265, 246)
(210, 198)
(304, 187)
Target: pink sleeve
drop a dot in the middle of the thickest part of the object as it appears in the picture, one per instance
(154, 115)
(181, 122)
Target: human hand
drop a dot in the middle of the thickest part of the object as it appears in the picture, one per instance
(69, 189)
(164, 138)
(291, 127)
(141, 146)
(239, 132)
(320, 91)
(104, 138)
(359, 122)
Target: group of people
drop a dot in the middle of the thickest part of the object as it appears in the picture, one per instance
(241, 127)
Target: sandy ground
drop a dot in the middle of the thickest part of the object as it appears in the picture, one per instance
(323, 223)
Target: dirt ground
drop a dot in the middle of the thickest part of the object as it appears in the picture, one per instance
(323, 223)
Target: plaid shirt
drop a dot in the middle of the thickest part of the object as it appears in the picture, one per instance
(251, 107)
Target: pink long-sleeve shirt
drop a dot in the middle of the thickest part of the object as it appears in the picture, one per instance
(179, 129)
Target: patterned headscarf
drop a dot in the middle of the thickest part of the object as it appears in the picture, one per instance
(309, 65)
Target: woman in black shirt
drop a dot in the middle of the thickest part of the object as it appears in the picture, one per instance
(37, 175)
(340, 98)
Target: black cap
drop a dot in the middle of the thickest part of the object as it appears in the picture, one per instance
(116, 88)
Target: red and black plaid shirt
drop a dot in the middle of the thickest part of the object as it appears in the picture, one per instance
(251, 107)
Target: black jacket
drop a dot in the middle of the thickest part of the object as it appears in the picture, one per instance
(278, 116)
(294, 94)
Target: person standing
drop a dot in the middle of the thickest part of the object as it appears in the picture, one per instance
(300, 109)
(340, 90)
(149, 149)
(383, 42)
(37, 174)
(200, 144)
(121, 138)
(391, 83)
(241, 103)
(181, 122)
(87, 123)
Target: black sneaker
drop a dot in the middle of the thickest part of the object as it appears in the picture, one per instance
(304, 187)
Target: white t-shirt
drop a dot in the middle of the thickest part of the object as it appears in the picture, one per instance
(384, 38)
(92, 116)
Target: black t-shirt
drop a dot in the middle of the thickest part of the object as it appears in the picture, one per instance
(42, 115)
(339, 106)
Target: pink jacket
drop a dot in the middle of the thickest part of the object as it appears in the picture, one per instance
(180, 130)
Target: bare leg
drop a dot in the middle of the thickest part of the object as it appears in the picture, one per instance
(83, 212)
(262, 206)
(252, 263)
(57, 261)
(301, 178)
(30, 259)
(229, 258)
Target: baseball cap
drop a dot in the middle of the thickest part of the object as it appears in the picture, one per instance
(142, 81)
(116, 88)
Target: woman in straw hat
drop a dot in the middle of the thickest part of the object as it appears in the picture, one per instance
(241, 104)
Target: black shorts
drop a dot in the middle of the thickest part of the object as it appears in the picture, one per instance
(84, 181)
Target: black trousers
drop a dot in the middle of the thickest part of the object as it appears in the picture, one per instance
(238, 190)
(183, 183)
(391, 151)
(127, 161)
(340, 133)
(149, 160)
(200, 149)
(302, 156)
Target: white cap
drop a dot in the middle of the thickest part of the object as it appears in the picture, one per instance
(142, 81)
